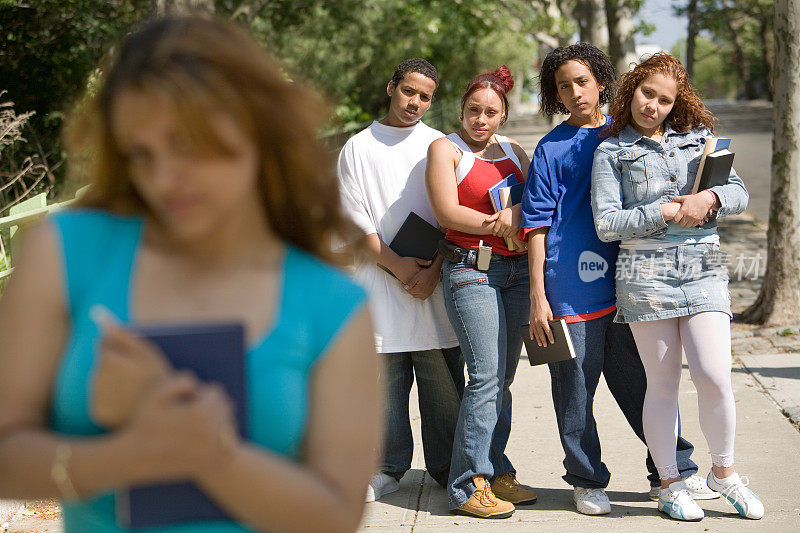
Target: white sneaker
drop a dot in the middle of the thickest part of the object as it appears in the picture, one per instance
(677, 502)
(696, 484)
(591, 501)
(736, 492)
(699, 488)
(381, 485)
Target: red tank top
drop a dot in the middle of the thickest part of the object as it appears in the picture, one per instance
(474, 177)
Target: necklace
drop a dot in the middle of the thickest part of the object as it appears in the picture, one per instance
(483, 150)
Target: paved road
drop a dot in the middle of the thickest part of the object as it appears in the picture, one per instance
(753, 159)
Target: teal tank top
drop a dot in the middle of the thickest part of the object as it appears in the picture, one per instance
(316, 301)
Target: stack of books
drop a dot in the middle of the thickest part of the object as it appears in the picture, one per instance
(715, 164)
(505, 193)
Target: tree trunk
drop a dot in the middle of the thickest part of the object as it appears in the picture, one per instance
(555, 31)
(778, 302)
(621, 45)
(691, 11)
(734, 22)
(591, 22)
(768, 49)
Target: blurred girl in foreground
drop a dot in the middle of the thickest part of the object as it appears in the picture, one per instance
(211, 200)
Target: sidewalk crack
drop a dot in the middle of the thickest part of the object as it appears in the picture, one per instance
(419, 501)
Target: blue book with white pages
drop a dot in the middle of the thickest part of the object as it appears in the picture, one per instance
(214, 353)
(494, 190)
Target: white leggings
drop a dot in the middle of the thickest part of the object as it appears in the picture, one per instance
(706, 339)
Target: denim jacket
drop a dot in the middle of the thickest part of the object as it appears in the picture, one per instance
(632, 175)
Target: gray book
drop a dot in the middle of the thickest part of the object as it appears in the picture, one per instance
(561, 350)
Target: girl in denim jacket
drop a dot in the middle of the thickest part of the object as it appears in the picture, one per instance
(672, 286)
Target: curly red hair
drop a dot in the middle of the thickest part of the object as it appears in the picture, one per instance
(689, 111)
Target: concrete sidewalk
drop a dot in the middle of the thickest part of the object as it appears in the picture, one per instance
(767, 448)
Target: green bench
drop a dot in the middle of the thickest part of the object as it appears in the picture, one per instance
(19, 216)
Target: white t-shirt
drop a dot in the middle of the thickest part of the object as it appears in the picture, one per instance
(382, 175)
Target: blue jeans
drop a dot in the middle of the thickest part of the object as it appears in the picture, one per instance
(487, 310)
(440, 382)
(601, 345)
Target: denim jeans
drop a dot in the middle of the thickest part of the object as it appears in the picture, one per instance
(601, 345)
(440, 382)
(487, 310)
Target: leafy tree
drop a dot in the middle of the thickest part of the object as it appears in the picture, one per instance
(745, 28)
(715, 76)
(347, 48)
(49, 49)
(350, 48)
(180, 6)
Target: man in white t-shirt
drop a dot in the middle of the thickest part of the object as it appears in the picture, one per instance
(382, 174)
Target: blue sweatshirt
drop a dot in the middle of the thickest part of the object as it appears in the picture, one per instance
(579, 267)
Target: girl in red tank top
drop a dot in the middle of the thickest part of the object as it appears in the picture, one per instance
(486, 307)
(474, 176)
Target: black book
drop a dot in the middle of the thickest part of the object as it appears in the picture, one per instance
(561, 350)
(214, 353)
(716, 170)
(416, 238)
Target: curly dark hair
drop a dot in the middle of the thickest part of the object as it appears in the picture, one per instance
(592, 57)
(415, 64)
(689, 111)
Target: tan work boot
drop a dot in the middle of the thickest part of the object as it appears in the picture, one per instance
(506, 487)
(484, 504)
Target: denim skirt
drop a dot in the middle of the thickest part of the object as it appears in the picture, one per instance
(671, 282)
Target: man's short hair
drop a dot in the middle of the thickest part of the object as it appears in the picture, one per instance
(415, 64)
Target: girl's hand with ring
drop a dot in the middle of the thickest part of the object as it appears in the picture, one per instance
(503, 223)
